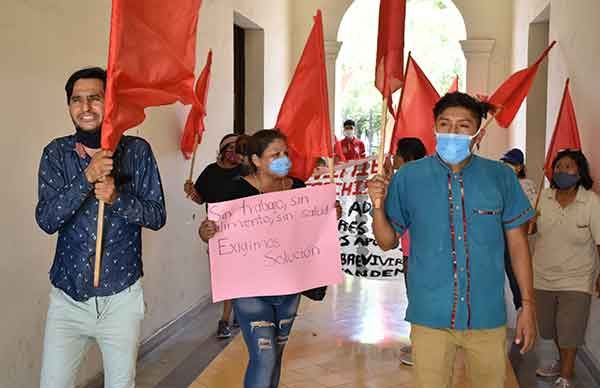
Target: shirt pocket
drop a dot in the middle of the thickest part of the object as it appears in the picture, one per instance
(582, 232)
(485, 224)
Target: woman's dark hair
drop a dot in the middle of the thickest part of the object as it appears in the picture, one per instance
(241, 148)
(479, 109)
(582, 165)
(90, 72)
(258, 143)
(411, 148)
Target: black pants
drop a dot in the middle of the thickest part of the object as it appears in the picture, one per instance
(512, 280)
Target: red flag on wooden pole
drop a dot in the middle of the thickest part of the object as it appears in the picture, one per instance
(510, 95)
(566, 133)
(414, 117)
(389, 64)
(304, 113)
(151, 60)
(194, 126)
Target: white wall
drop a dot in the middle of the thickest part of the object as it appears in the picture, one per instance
(42, 43)
(575, 27)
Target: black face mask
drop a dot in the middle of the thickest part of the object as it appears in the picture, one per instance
(90, 139)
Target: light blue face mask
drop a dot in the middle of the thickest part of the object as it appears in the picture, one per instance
(280, 166)
(453, 148)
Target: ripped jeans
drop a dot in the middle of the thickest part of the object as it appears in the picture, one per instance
(266, 323)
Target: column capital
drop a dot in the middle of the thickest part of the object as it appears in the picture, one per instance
(479, 47)
(332, 49)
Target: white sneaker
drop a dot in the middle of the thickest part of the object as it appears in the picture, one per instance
(561, 382)
(552, 370)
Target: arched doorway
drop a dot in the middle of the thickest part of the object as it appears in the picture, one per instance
(434, 29)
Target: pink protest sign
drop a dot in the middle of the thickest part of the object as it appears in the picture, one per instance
(275, 244)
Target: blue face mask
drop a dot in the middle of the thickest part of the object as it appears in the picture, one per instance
(280, 166)
(565, 180)
(453, 148)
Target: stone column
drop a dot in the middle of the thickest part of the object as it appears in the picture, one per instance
(477, 53)
(332, 49)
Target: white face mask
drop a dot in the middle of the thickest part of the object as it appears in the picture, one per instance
(349, 133)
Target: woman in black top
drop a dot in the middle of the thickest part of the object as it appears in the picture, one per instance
(265, 321)
(209, 188)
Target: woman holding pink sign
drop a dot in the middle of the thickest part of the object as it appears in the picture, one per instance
(265, 321)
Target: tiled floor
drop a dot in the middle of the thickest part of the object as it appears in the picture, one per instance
(352, 340)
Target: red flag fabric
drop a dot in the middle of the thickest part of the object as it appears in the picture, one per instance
(151, 60)
(454, 86)
(510, 95)
(194, 126)
(414, 117)
(566, 133)
(304, 113)
(390, 47)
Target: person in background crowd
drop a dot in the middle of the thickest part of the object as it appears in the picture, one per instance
(515, 159)
(566, 261)
(266, 321)
(409, 149)
(209, 189)
(351, 147)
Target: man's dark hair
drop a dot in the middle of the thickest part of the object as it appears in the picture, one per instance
(411, 148)
(349, 123)
(582, 165)
(478, 108)
(89, 72)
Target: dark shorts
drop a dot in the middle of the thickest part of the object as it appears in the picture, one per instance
(563, 316)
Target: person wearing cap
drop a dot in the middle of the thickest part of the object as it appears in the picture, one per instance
(351, 147)
(515, 159)
(209, 189)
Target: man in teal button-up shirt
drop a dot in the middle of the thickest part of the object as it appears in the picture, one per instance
(459, 209)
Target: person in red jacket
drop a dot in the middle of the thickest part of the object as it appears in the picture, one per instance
(351, 147)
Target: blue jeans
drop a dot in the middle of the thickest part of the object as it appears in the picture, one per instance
(266, 323)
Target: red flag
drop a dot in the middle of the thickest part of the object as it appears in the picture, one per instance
(151, 59)
(414, 117)
(510, 95)
(390, 47)
(566, 134)
(454, 87)
(194, 126)
(304, 113)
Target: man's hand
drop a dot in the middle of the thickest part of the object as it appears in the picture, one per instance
(377, 188)
(207, 230)
(100, 166)
(105, 190)
(338, 209)
(526, 328)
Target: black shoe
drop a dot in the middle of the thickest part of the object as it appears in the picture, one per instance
(223, 330)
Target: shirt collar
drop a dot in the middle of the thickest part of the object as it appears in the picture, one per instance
(580, 197)
(465, 167)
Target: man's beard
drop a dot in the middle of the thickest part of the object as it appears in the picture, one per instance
(90, 139)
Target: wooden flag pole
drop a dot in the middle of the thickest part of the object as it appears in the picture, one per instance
(99, 232)
(382, 134)
(331, 165)
(537, 202)
(193, 156)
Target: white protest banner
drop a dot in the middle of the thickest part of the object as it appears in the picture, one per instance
(274, 244)
(360, 254)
